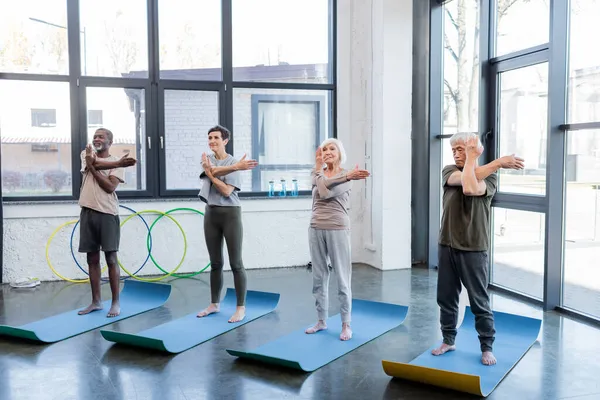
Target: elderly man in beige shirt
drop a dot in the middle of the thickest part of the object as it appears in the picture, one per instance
(99, 223)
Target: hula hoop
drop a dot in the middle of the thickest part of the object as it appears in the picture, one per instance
(122, 278)
(148, 243)
(184, 248)
(48, 256)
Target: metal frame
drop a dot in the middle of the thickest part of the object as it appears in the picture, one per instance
(154, 88)
(552, 204)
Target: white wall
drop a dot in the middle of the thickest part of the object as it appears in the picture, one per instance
(376, 94)
(275, 235)
(374, 122)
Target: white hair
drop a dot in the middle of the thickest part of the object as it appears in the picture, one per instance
(339, 146)
(463, 137)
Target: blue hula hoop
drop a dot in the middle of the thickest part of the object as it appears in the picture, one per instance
(125, 277)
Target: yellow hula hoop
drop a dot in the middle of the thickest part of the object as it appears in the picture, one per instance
(48, 256)
(184, 246)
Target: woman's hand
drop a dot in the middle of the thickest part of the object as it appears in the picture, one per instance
(319, 159)
(206, 165)
(357, 174)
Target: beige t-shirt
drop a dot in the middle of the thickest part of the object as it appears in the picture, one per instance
(92, 195)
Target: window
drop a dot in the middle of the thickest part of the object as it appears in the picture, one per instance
(582, 222)
(584, 65)
(275, 41)
(190, 47)
(158, 74)
(189, 114)
(33, 37)
(461, 67)
(125, 111)
(95, 118)
(518, 250)
(523, 119)
(35, 162)
(516, 29)
(114, 38)
(43, 118)
(283, 132)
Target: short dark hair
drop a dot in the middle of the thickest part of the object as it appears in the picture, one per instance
(109, 134)
(225, 134)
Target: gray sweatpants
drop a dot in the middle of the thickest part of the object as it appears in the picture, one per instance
(470, 268)
(336, 245)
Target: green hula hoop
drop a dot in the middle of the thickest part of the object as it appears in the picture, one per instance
(186, 275)
(162, 214)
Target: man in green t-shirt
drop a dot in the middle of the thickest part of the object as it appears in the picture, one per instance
(464, 240)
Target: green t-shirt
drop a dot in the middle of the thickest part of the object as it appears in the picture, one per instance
(466, 219)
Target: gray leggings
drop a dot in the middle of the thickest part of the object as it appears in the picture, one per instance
(225, 223)
(336, 245)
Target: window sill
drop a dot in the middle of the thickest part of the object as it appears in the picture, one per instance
(69, 208)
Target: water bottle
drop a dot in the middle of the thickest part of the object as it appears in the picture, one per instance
(282, 192)
(294, 187)
(271, 188)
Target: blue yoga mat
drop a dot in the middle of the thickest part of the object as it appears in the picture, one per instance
(189, 331)
(309, 352)
(462, 369)
(135, 298)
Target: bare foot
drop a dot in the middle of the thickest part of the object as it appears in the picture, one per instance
(240, 313)
(115, 310)
(92, 307)
(346, 332)
(213, 308)
(443, 349)
(319, 326)
(487, 358)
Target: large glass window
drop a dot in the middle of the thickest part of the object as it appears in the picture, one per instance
(188, 116)
(521, 24)
(114, 38)
(158, 74)
(190, 47)
(518, 250)
(281, 129)
(35, 121)
(281, 41)
(581, 286)
(124, 114)
(33, 37)
(523, 120)
(461, 67)
(584, 63)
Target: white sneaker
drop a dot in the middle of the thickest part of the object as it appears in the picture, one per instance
(28, 282)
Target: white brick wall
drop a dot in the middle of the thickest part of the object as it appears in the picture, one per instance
(188, 116)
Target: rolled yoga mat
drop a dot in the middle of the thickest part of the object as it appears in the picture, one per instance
(308, 352)
(135, 298)
(189, 331)
(461, 369)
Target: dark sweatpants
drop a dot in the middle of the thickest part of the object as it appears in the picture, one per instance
(470, 268)
(220, 223)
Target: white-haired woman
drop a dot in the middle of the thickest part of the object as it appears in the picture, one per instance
(329, 231)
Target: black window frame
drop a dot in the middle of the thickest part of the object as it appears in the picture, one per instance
(155, 86)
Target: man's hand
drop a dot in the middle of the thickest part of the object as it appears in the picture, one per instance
(127, 161)
(512, 162)
(474, 150)
(244, 164)
(357, 174)
(90, 156)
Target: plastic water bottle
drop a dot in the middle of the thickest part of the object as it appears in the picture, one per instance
(282, 192)
(271, 188)
(294, 187)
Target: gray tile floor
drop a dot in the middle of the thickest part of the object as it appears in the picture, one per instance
(564, 364)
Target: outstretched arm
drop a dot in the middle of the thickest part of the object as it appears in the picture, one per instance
(241, 165)
(221, 186)
(482, 172)
(124, 162)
